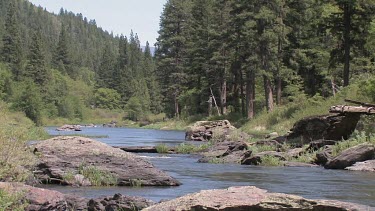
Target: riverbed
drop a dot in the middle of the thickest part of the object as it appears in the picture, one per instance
(313, 183)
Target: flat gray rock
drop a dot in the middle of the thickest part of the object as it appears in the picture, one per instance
(62, 156)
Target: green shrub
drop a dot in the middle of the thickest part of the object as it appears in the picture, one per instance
(190, 148)
(270, 161)
(12, 201)
(96, 176)
(162, 148)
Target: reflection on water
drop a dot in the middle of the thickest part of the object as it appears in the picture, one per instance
(314, 183)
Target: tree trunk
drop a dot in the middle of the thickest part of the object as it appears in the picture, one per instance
(278, 90)
(347, 42)
(250, 94)
(268, 92)
(223, 96)
(176, 107)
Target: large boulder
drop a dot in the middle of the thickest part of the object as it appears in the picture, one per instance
(352, 155)
(62, 160)
(328, 127)
(368, 165)
(224, 152)
(250, 198)
(203, 130)
(45, 200)
(257, 158)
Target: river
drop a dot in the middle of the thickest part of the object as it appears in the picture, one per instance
(313, 183)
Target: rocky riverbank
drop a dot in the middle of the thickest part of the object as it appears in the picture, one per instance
(41, 199)
(292, 149)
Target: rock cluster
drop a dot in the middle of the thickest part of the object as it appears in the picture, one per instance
(224, 152)
(69, 128)
(203, 130)
(45, 200)
(61, 158)
(250, 198)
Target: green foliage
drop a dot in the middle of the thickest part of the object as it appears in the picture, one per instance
(356, 139)
(190, 148)
(270, 161)
(368, 87)
(27, 98)
(261, 148)
(96, 176)
(134, 108)
(162, 148)
(107, 98)
(12, 201)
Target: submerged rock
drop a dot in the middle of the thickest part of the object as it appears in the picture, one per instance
(250, 198)
(352, 155)
(62, 158)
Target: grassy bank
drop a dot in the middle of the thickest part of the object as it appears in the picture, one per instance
(15, 131)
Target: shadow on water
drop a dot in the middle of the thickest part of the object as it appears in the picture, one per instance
(314, 183)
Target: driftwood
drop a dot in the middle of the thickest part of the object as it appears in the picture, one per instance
(352, 109)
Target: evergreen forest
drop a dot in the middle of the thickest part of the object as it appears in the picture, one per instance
(213, 58)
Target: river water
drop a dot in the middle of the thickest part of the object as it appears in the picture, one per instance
(313, 183)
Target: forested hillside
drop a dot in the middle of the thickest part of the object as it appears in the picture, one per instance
(212, 57)
(253, 55)
(65, 66)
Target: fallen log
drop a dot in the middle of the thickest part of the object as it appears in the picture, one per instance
(352, 109)
(360, 103)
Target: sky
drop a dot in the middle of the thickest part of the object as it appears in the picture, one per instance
(117, 16)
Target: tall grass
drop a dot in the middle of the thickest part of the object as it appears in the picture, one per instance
(356, 139)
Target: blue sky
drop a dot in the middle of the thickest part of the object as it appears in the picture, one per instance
(119, 16)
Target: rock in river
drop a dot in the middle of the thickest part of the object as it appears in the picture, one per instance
(203, 130)
(352, 155)
(62, 158)
(69, 128)
(250, 198)
(224, 152)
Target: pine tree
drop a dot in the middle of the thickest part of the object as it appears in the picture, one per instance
(12, 50)
(171, 52)
(62, 60)
(36, 68)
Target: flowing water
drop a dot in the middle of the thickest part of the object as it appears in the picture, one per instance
(313, 183)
